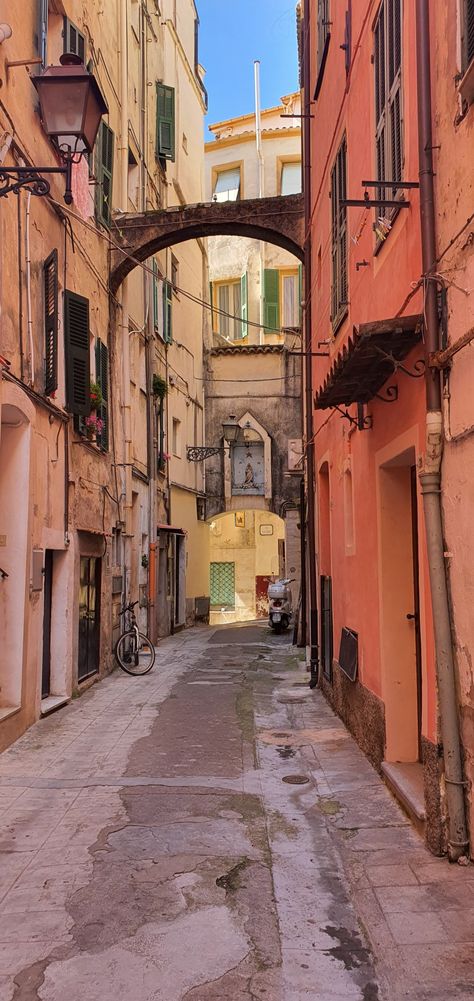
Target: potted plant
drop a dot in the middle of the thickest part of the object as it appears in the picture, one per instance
(94, 426)
(159, 386)
(95, 395)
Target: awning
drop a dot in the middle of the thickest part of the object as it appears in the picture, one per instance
(368, 359)
(170, 528)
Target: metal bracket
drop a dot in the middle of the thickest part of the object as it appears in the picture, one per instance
(363, 423)
(391, 395)
(12, 179)
(3, 574)
(196, 453)
(418, 368)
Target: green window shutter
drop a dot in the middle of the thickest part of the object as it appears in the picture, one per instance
(271, 299)
(73, 40)
(156, 323)
(104, 174)
(102, 375)
(244, 299)
(50, 286)
(167, 312)
(76, 350)
(165, 122)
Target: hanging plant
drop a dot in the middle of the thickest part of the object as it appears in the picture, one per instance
(94, 426)
(95, 394)
(159, 386)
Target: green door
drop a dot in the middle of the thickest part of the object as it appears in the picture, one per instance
(222, 585)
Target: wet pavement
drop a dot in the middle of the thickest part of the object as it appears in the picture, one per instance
(211, 832)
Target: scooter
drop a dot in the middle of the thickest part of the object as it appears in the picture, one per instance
(280, 606)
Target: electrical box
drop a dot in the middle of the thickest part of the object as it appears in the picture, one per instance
(37, 570)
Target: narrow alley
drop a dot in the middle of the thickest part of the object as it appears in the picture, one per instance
(211, 831)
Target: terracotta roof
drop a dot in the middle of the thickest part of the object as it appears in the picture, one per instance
(368, 359)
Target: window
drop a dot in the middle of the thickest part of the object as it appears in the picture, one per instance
(157, 295)
(339, 238)
(201, 508)
(290, 183)
(102, 377)
(167, 312)
(104, 159)
(160, 434)
(73, 40)
(165, 122)
(290, 298)
(76, 350)
(50, 284)
(228, 300)
(222, 585)
(176, 439)
(324, 37)
(227, 185)
(271, 300)
(388, 94)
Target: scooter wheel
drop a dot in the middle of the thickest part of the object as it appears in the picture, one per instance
(284, 623)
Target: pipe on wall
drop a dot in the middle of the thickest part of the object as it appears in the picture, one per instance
(310, 479)
(430, 476)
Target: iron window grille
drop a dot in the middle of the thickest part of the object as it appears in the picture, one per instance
(339, 295)
(468, 33)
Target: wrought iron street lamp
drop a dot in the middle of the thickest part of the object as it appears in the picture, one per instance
(231, 432)
(71, 106)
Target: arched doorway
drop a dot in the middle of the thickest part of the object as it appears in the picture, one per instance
(246, 548)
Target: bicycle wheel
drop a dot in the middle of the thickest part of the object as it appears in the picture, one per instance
(130, 659)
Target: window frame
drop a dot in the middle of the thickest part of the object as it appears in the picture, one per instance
(285, 161)
(339, 241)
(289, 273)
(323, 42)
(222, 168)
(467, 12)
(216, 313)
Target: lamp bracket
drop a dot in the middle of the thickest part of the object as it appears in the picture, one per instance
(196, 453)
(12, 179)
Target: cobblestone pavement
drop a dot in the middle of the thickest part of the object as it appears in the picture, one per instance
(212, 832)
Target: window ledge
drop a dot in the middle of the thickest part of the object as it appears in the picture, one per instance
(466, 84)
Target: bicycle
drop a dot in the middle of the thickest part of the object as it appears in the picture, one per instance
(134, 652)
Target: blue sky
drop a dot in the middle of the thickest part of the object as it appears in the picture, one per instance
(232, 34)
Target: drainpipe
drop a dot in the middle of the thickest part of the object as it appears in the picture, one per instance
(261, 188)
(310, 482)
(124, 323)
(430, 476)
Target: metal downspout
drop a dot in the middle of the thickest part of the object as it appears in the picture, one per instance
(124, 323)
(310, 481)
(430, 476)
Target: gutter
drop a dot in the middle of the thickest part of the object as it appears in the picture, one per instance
(430, 475)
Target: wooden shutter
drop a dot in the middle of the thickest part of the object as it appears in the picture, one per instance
(104, 174)
(76, 348)
(73, 40)
(469, 31)
(271, 300)
(300, 294)
(339, 293)
(167, 312)
(50, 286)
(244, 305)
(102, 376)
(165, 122)
(213, 312)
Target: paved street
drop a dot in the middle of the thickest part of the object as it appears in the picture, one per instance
(211, 832)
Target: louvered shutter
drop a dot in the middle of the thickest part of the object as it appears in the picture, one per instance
(104, 174)
(76, 349)
(469, 31)
(167, 312)
(50, 288)
(339, 237)
(342, 192)
(73, 39)
(300, 294)
(102, 376)
(244, 305)
(165, 122)
(271, 297)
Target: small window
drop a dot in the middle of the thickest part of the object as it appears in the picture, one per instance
(227, 185)
(50, 279)
(201, 508)
(339, 295)
(290, 178)
(157, 293)
(290, 299)
(176, 437)
(388, 97)
(73, 40)
(165, 122)
(324, 37)
(160, 434)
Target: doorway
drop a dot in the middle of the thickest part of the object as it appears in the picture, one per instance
(400, 609)
(48, 604)
(89, 617)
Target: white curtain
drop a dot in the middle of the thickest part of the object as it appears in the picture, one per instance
(291, 178)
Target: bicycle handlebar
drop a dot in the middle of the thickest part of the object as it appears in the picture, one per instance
(129, 607)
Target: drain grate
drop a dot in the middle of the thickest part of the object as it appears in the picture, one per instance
(295, 780)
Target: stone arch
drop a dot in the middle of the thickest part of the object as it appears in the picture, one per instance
(277, 220)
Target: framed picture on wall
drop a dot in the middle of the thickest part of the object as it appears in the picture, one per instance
(266, 529)
(239, 519)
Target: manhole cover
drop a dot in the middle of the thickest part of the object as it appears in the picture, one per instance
(276, 734)
(295, 780)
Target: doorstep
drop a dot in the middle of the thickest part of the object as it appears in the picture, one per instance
(7, 711)
(53, 702)
(406, 781)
